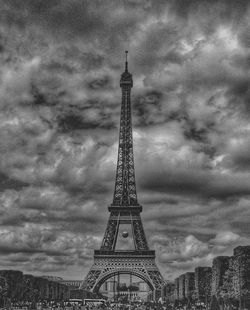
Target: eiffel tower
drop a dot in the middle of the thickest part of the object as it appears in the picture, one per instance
(125, 209)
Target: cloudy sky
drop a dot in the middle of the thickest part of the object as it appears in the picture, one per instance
(60, 65)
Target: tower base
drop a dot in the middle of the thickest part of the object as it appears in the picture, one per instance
(138, 263)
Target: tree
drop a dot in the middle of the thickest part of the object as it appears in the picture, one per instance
(32, 292)
(226, 291)
(4, 293)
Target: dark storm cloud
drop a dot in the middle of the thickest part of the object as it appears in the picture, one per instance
(57, 15)
(9, 250)
(223, 10)
(244, 37)
(73, 122)
(198, 135)
(95, 114)
(204, 184)
(73, 19)
(238, 155)
(43, 244)
(99, 83)
(40, 98)
(239, 96)
(159, 46)
(147, 108)
(8, 183)
(60, 67)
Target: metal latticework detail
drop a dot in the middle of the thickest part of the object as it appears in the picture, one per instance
(110, 235)
(90, 280)
(139, 235)
(105, 268)
(156, 278)
(125, 188)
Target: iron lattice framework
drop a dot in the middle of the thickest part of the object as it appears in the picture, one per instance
(125, 189)
(124, 210)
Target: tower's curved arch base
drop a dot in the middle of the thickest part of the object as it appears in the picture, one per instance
(116, 273)
(104, 268)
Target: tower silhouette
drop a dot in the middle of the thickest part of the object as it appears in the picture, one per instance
(124, 209)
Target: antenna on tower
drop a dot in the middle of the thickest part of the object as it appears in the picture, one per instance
(126, 63)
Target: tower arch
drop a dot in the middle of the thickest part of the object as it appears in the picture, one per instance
(114, 273)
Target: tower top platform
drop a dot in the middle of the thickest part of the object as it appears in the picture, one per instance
(126, 77)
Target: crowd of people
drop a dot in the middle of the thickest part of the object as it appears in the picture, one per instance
(68, 305)
(104, 305)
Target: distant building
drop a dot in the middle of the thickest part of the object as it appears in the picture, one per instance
(72, 284)
(168, 292)
(176, 289)
(228, 279)
(52, 278)
(14, 279)
(202, 279)
(240, 269)
(189, 285)
(219, 268)
(28, 287)
(109, 288)
(181, 286)
(142, 286)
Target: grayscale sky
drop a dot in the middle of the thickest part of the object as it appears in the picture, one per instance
(60, 65)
